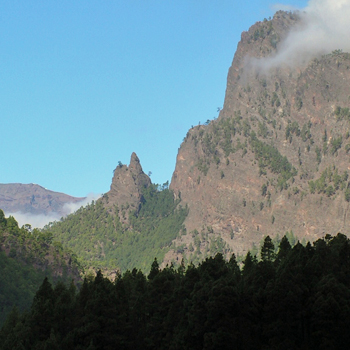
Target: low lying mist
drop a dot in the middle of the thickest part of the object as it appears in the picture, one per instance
(39, 221)
(324, 27)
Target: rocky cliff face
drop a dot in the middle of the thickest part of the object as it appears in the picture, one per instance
(34, 199)
(126, 188)
(276, 159)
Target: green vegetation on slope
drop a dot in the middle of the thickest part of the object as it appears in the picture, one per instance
(100, 240)
(297, 298)
(18, 284)
(330, 182)
(223, 133)
(269, 156)
(26, 257)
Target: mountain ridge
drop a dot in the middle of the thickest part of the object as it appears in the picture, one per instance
(34, 199)
(297, 115)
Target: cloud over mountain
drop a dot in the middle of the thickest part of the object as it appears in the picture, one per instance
(323, 28)
(40, 220)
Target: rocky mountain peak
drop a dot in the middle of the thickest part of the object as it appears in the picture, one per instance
(141, 179)
(135, 165)
(126, 187)
(276, 159)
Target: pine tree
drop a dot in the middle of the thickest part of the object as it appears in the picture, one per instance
(267, 250)
(154, 269)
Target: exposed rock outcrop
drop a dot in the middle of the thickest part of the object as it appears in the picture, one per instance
(126, 187)
(230, 172)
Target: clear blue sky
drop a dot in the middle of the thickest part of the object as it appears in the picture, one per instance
(86, 83)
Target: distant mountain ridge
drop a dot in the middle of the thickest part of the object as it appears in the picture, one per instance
(34, 199)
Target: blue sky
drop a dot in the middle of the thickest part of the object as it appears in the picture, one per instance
(86, 83)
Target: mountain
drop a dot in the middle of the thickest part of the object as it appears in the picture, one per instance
(275, 162)
(276, 159)
(126, 188)
(128, 227)
(34, 199)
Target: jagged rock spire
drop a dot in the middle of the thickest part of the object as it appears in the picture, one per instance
(127, 185)
(135, 165)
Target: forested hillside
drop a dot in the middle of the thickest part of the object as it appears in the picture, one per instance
(26, 257)
(98, 237)
(297, 298)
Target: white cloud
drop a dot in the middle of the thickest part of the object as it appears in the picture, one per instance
(70, 208)
(39, 221)
(324, 27)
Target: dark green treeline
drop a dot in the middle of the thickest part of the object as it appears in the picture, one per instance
(26, 257)
(298, 298)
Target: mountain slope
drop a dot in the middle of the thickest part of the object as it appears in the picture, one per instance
(26, 257)
(128, 227)
(277, 158)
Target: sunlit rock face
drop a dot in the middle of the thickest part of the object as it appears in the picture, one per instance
(126, 187)
(232, 172)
